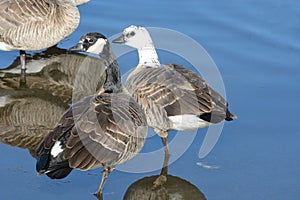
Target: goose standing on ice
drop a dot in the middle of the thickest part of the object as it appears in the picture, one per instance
(99, 131)
(173, 97)
(29, 25)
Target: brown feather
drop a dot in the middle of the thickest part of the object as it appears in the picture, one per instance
(172, 90)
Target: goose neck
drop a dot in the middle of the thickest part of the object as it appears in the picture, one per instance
(113, 77)
(148, 56)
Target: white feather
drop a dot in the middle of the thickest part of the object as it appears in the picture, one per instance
(56, 149)
(187, 122)
(97, 48)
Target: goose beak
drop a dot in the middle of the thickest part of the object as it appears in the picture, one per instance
(119, 40)
(77, 48)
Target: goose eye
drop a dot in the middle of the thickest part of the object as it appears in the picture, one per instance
(91, 40)
(132, 33)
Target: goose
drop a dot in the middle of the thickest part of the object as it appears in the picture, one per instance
(102, 130)
(172, 96)
(36, 24)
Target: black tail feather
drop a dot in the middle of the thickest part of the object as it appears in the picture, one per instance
(216, 117)
(42, 163)
(54, 167)
(59, 171)
(230, 116)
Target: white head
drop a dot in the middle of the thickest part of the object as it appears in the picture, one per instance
(92, 43)
(135, 36)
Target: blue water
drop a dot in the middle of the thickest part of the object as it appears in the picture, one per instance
(256, 46)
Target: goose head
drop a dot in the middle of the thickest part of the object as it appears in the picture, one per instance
(135, 36)
(94, 43)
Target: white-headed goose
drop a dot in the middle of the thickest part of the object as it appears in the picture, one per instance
(29, 25)
(99, 131)
(173, 97)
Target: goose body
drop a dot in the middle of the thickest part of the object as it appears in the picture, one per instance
(172, 96)
(101, 130)
(175, 98)
(36, 24)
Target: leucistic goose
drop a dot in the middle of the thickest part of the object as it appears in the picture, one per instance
(173, 97)
(99, 131)
(29, 25)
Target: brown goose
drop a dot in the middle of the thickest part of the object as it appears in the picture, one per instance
(99, 131)
(173, 97)
(29, 25)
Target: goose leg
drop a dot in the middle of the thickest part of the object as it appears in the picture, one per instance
(162, 178)
(164, 170)
(105, 174)
(23, 68)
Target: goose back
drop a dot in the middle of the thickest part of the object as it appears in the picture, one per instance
(36, 24)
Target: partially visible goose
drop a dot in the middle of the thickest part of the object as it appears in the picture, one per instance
(36, 24)
(173, 97)
(99, 131)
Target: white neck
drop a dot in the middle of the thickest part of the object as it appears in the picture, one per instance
(148, 57)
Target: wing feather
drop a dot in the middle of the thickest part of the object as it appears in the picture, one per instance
(100, 130)
(174, 90)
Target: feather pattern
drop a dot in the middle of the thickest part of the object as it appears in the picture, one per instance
(172, 90)
(97, 133)
(36, 24)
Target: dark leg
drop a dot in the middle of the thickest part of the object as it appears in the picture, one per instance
(164, 170)
(162, 178)
(23, 68)
(105, 174)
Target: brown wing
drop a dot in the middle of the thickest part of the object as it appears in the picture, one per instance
(174, 90)
(108, 129)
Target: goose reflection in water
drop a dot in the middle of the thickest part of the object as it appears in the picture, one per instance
(55, 79)
(174, 188)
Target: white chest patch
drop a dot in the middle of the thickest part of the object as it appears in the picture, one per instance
(56, 149)
(187, 122)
